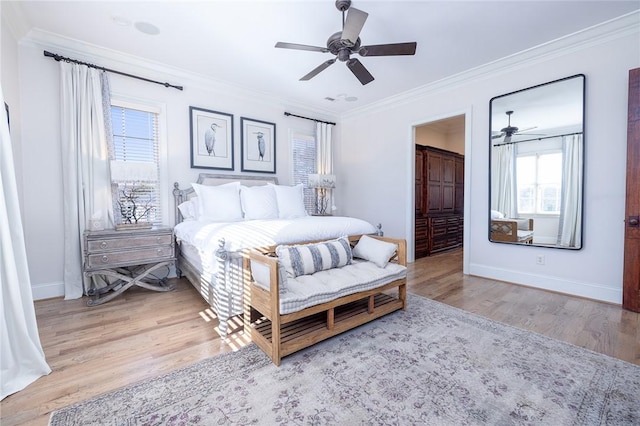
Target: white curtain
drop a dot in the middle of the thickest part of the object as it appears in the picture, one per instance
(86, 183)
(324, 155)
(503, 182)
(569, 234)
(22, 360)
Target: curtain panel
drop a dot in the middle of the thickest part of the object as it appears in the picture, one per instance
(22, 359)
(85, 161)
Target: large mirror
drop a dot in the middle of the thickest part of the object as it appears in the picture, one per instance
(537, 165)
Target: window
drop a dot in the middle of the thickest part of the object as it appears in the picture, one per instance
(135, 141)
(539, 183)
(303, 149)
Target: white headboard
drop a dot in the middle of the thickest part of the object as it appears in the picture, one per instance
(182, 195)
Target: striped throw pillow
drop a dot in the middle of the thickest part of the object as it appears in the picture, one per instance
(306, 259)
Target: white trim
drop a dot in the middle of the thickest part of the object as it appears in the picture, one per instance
(47, 290)
(580, 40)
(593, 291)
(411, 179)
(159, 108)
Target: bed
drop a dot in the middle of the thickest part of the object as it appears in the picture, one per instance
(220, 217)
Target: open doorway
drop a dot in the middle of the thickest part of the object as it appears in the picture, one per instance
(439, 186)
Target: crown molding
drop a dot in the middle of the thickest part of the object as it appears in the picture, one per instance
(113, 59)
(613, 29)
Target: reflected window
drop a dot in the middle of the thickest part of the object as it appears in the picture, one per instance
(539, 183)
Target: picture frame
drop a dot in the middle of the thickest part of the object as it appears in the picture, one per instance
(211, 139)
(258, 148)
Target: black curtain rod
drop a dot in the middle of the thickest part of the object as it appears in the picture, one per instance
(538, 139)
(307, 118)
(62, 58)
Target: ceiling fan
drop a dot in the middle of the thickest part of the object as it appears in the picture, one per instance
(347, 42)
(510, 130)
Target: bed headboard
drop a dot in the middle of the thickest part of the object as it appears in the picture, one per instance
(182, 195)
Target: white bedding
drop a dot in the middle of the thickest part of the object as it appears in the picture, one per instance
(260, 233)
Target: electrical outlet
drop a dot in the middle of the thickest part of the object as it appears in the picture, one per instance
(540, 260)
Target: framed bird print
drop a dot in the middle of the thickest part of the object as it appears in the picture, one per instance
(258, 145)
(211, 139)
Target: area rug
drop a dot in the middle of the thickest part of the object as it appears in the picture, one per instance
(430, 365)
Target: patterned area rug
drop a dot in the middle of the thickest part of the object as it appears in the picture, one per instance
(431, 365)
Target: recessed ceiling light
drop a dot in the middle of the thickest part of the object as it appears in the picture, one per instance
(350, 99)
(147, 28)
(120, 20)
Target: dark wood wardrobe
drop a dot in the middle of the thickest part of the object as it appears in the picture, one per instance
(439, 200)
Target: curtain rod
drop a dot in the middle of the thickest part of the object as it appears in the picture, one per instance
(538, 139)
(62, 58)
(307, 118)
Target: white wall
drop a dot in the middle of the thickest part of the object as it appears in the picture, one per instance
(381, 158)
(41, 163)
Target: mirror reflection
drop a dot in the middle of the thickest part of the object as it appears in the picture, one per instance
(537, 155)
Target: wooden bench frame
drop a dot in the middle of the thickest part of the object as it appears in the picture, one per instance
(279, 335)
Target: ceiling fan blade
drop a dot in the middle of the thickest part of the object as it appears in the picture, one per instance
(296, 46)
(498, 136)
(389, 49)
(353, 25)
(317, 70)
(507, 139)
(360, 71)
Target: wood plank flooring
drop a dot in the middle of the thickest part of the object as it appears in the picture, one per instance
(141, 334)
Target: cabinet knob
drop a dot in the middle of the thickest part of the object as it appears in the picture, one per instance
(160, 252)
(157, 239)
(103, 244)
(105, 259)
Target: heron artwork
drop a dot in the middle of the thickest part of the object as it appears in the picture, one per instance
(210, 139)
(261, 145)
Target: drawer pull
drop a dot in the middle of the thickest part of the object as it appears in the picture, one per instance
(159, 252)
(158, 239)
(105, 259)
(103, 244)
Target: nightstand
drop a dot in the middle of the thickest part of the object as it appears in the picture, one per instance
(122, 259)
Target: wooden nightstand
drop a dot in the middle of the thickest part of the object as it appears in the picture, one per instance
(122, 259)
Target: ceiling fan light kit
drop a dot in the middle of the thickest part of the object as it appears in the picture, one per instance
(347, 42)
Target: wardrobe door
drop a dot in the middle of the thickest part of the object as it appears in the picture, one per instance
(434, 183)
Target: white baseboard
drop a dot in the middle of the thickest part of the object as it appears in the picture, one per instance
(588, 290)
(47, 290)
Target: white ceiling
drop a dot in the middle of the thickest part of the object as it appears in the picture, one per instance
(233, 41)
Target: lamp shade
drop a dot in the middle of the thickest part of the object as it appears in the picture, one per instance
(133, 171)
(322, 181)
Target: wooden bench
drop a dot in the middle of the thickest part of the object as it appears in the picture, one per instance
(279, 335)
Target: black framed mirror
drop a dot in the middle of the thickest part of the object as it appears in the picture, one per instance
(536, 168)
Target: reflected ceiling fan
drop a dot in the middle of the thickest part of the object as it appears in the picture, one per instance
(347, 42)
(510, 130)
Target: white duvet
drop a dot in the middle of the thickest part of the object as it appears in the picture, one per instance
(205, 236)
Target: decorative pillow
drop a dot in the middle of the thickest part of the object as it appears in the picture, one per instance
(306, 259)
(290, 201)
(219, 203)
(259, 202)
(374, 250)
(495, 214)
(189, 209)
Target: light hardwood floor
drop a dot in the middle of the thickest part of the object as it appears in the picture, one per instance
(141, 334)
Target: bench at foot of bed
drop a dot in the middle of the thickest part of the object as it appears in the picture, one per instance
(320, 305)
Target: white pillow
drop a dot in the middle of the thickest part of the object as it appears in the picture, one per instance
(307, 259)
(290, 201)
(374, 250)
(259, 202)
(495, 214)
(189, 209)
(219, 203)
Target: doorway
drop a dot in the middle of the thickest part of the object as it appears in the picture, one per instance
(439, 201)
